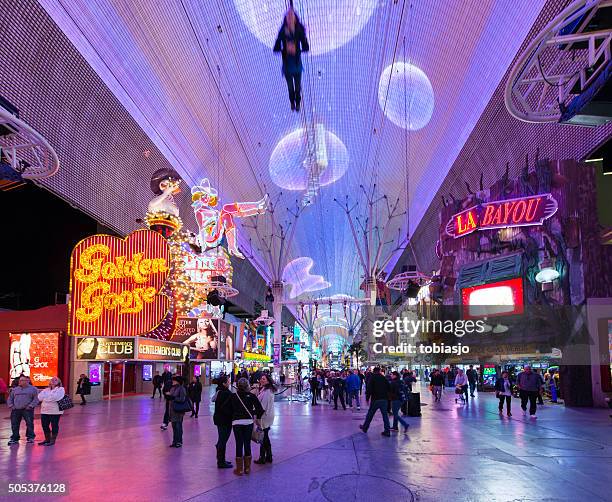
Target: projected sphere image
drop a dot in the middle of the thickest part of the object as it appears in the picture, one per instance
(290, 161)
(329, 24)
(410, 96)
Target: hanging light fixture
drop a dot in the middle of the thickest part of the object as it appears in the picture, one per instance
(548, 273)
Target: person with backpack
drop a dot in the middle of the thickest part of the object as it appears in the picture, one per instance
(398, 394)
(178, 405)
(222, 418)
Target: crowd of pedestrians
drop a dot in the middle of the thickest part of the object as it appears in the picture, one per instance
(247, 408)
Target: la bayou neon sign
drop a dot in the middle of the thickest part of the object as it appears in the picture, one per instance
(520, 212)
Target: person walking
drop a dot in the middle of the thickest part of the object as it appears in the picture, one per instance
(398, 393)
(245, 407)
(529, 384)
(266, 398)
(50, 413)
(353, 384)
(195, 394)
(552, 385)
(178, 405)
(222, 418)
(378, 390)
(291, 42)
(542, 382)
(314, 388)
(472, 376)
(461, 382)
(437, 383)
(338, 385)
(83, 388)
(22, 400)
(503, 391)
(157, 385)
(367, 378)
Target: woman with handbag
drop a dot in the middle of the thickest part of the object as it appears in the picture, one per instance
(50, 412)
(179, 405)
(245, 406)
(503, 391)
(266, 398)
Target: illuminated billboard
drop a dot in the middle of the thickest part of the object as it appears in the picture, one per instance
(34, 355)
(493, 299)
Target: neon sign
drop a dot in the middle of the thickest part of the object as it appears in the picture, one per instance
(211, 263)
(520, 212)
(115, 284)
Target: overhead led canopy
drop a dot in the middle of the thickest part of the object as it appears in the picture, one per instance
(406, 96)
(307, 160)
(329, 25)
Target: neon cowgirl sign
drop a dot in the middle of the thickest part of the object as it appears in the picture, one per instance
(520, 212)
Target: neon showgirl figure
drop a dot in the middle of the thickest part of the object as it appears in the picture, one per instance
(214, 224)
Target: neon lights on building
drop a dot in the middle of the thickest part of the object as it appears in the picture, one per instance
(215, 224)
(115, 284)
(519, 212)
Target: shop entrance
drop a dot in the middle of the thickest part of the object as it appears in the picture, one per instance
(115, 377)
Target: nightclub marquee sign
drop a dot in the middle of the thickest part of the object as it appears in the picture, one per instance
(115, 284)
(519, 212)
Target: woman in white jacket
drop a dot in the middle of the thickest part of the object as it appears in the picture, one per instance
(266, 398)
(49, 410)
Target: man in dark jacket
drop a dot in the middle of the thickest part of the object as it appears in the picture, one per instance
(378, 390)
(21, 401)
(157, 385)
(472, 376)
(314, 388)
(339, 385)
(529, 384)
(222, 418)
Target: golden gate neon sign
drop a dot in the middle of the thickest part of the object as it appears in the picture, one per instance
(519, 212)
(115, 284)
